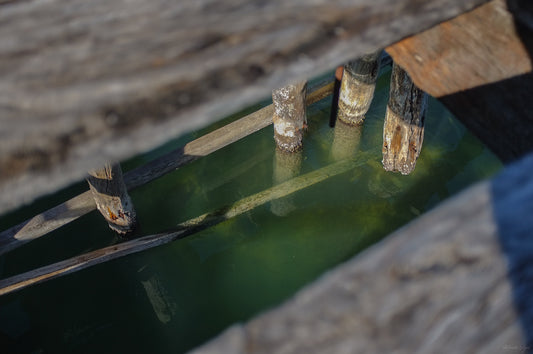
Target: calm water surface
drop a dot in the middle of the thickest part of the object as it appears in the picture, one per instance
(174, 297)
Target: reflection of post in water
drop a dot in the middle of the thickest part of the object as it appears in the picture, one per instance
(286, 166)
(357, 88)
(403, 131)
(112, 199)
(163, 304)
(346, 140)
(289, 123)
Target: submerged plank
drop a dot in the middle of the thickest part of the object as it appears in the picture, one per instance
(480, 66)
(82, 204)
(84, 83)
(184, 229)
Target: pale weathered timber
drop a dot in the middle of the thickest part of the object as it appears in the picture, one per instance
(357, 88)
(384, 60)
(480, 66)
(403, 129)
(82, 204)
(289, 116)
(184, 229)
(112, 199)
(438, 285)
(85, 83)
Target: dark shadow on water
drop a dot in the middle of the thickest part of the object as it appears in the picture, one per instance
(512, 195)
(522, 11)
(507, 127)
(499, 114)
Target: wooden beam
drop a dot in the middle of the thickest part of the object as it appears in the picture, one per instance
(184, 229)
(82, 204)
(85, 84)
(479, 65)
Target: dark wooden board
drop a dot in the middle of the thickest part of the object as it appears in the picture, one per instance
(83, 83)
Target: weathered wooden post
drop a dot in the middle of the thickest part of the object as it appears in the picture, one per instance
(403, 131)
(112, 198)
(289, 116)
(357, 88)
(289, 123)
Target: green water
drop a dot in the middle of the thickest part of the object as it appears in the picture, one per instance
(175, 297)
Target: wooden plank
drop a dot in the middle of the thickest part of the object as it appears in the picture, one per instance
(479, 65)
(82, 204)
(88, 83)
(438, 285)
(45, 222)
(184, 229)
(477, 48)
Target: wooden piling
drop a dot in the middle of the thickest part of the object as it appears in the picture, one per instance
(403, 131)
(112, 199)
(357, 88)
(289, 116)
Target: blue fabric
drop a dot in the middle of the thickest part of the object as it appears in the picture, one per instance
(512, 193)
